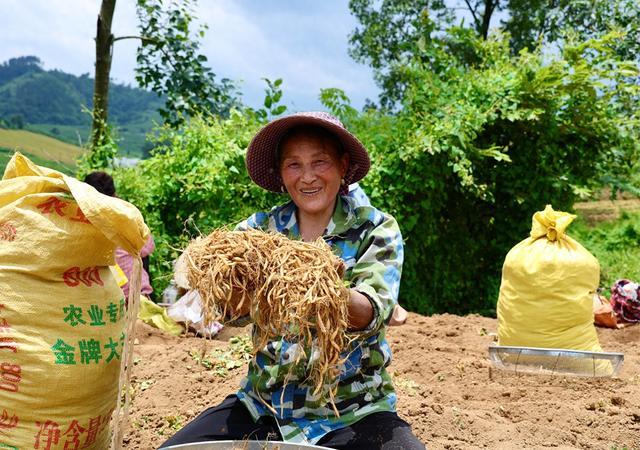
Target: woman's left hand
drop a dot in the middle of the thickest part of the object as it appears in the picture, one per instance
(360, 311)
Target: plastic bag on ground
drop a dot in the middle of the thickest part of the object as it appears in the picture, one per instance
(188, 309)
(156, 316)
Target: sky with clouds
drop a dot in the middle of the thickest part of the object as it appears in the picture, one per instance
(305, 42)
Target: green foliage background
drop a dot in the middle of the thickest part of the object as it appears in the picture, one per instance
(481, 140)
(387, 30)
(474, 132)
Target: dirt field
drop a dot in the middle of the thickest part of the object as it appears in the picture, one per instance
(445, 387)
(606, 209)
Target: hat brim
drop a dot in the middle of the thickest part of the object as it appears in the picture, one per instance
(261, 159)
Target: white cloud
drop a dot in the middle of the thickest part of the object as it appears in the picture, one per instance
(305, 43)
(62, 32)
(308, 51)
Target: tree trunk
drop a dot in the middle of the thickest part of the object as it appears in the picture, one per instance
(489, 8)
(104, 48)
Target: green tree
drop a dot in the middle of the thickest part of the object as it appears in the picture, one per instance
(550, 21)
(392, 32)
(16, 122)
(15, 67)
(387, 34)
(169, 63)
(104, 52)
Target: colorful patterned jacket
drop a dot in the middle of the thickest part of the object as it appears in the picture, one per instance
(370, 244)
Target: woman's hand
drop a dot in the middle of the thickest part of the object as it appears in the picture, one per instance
(360, 311)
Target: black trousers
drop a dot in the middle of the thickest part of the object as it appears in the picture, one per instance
(230, 420)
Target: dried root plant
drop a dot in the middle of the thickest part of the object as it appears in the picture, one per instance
(292, 289)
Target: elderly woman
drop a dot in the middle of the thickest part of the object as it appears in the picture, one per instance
(314, 159)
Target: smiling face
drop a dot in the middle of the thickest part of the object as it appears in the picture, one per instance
(311, 170)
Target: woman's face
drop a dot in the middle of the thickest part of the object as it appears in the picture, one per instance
(311, 171)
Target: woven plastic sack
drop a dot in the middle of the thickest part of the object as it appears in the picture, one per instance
(548, 281)
(62, 314)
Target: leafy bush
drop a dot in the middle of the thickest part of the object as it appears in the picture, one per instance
(479, 146)
(195, 181)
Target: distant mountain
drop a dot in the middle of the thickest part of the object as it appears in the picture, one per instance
(51, 102)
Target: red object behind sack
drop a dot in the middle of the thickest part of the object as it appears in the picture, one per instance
(625, 301)
(603, 314)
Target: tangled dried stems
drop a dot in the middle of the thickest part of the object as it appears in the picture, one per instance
(292, 289)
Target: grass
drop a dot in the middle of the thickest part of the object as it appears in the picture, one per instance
(40, 146)
(616, 244)
(131, 137)
(71, 134)
(6, 154)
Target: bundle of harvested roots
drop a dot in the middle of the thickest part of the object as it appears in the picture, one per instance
(292, 289)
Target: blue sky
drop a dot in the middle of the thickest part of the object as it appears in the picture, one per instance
(304, 42)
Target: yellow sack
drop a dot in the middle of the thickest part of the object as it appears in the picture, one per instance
(156, 316)
(62, 314)
(548, 281)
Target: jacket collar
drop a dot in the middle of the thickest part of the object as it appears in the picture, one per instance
(343, 219)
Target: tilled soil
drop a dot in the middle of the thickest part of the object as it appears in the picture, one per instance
(446, 388)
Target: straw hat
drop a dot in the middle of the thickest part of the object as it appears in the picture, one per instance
(261, 157)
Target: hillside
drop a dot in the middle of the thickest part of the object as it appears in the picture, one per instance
(57, 104)
(42, 150)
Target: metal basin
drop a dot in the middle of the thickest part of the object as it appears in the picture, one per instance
(244, 445)
(556, 361)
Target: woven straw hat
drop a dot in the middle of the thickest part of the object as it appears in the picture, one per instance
(261, 157)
